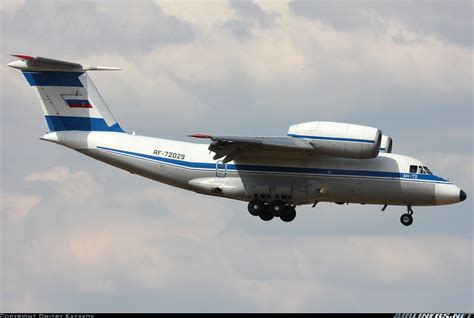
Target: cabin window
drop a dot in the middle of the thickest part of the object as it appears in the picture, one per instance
(413, 169)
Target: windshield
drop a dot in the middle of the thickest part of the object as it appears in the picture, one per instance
(420, 169)
(428, 171)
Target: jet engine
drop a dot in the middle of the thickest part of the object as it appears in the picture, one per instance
(386, 144)
(339, 139)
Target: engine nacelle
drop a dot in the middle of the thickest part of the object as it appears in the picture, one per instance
(339, 139)
(386, 144)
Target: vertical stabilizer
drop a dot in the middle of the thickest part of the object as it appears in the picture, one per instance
(69, 99)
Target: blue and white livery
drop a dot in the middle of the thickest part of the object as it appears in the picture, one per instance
(315, 162)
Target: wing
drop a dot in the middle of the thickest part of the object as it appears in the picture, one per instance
(231, 147)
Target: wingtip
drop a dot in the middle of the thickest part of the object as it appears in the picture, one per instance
(200, 136)
(23, 57)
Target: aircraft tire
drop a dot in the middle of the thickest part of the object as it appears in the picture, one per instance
(277, 207)
(256, 207)
(266, 215)
(406, 219)
(289, 215)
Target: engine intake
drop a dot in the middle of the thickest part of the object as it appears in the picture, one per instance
(386, 144)
(340, 139)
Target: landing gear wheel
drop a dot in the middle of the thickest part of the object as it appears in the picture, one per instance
(289, 215)
(256, 207)
(266, 215)
(277, 207)
(406, 219)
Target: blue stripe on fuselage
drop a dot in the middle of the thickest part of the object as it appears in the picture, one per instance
(332, 138)
(53, 78)
(279, 169)
(59, 123)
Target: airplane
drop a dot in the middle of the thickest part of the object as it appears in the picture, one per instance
(315, 162)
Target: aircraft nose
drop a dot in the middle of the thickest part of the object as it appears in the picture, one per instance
(448, 194)
(462, 195)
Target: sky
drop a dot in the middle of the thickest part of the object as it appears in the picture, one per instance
(78, 235)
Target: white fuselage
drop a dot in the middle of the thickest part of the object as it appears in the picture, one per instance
(294, 177)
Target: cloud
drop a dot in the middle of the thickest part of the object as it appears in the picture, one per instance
(91, 27)
(212, 17)
(449, 21)
(251, 18)
(292, 62)
(203, 216)
(77, 186)
(10, 6)
(25, 303)
(18, 206)
(152, 240)
(280, 67)
(204, 15)
(264, 273)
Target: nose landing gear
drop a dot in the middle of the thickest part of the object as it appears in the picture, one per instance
(276, 208)
(407, 218)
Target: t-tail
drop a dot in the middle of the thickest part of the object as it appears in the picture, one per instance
(68, 97)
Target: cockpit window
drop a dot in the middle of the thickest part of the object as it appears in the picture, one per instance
(420, 169)
(428, 171)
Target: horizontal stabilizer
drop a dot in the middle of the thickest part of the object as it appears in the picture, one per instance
(30, 63)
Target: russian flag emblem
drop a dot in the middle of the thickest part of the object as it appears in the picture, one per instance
(78, 103)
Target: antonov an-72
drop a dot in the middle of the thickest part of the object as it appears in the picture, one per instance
(315, 162)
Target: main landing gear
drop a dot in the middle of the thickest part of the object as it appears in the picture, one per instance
(276, 208)
(407, 218)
